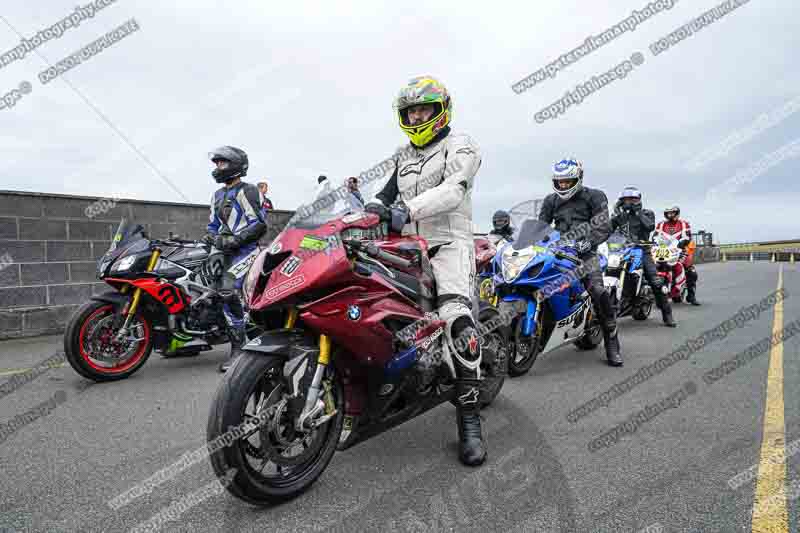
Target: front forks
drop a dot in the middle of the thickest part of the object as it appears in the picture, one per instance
(137, 295)
(319, 396)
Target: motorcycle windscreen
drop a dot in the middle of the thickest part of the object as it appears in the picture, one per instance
(533, 232)
(616, 242)
(127, 231)
(331, 205)
(127, 234)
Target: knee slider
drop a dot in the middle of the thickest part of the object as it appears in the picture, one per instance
(461, 334)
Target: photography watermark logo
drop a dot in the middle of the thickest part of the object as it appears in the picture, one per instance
(89, 51)
(31, 415)
(630, 426)
(762, 123)
(682, 353)
(576, 97)
(179, 507)
(695, 25)
(10, 99)
(55, 31)
(726, 189)
(592, 43)
(101, 207)
(6, 260)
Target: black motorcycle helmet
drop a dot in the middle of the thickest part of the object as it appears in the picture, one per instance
(237, 163)
(500, 221)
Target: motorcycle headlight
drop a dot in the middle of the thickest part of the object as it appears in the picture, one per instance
(125, 263)
(513, 264)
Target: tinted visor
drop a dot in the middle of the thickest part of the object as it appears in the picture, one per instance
(564, 184)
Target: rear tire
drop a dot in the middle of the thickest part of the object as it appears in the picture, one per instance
(80, 358)
(258, 376)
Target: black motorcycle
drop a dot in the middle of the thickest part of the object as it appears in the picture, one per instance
(163, 297)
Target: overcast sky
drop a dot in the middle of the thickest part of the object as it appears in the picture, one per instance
(306, 88)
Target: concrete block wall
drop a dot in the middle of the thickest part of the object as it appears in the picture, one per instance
(49, 248)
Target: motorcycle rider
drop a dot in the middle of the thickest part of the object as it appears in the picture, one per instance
(501, 227)
(235, 225)
(636, 223)
(675, 226)
(573, 207)
(432, 193)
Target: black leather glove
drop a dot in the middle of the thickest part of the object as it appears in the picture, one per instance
(634, 208)
(227, 243)
(683, 244)
(582, 246)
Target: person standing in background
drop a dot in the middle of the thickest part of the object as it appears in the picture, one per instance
(352, 188)
(266, 203)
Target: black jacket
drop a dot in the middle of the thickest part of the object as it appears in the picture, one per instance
(583, 216)
(636, 225)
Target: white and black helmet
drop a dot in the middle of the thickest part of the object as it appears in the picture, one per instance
(567, 177)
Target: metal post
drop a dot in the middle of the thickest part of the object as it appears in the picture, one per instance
(752, 259)
(724, 257)
(791, 258)
(773, 258)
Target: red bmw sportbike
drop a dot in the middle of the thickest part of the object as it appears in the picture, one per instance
(358, 354)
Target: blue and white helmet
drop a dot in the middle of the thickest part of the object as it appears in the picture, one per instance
(631, 192)
(567, 177)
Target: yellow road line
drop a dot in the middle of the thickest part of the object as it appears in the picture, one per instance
(14, 371)
(769, 507)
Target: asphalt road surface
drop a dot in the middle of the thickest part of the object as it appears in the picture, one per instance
(672, 472)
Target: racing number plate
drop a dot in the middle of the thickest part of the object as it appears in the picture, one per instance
(662, 252)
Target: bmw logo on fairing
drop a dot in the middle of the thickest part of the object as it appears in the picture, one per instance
(353, 312)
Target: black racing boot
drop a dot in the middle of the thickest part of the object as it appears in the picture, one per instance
(691, 297)
(664, 304)
(611, 342)
(471, 449)
(237, 340)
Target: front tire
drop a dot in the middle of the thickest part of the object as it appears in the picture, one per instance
(89, 343)
(524, 350)
(592, 336)
(643, 310)
(494, 360)
(260, 378)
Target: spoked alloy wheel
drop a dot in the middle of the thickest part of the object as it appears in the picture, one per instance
(271, 459)
(593, 334)
(494, 362)
(524, 349)
(93, 350)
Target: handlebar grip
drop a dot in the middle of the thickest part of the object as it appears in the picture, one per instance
(373, 251)
(391, 258)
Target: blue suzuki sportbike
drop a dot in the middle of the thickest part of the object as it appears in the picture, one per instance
(624, 278)
(539, 276)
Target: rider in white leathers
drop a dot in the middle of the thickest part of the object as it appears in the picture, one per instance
(430, 195)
